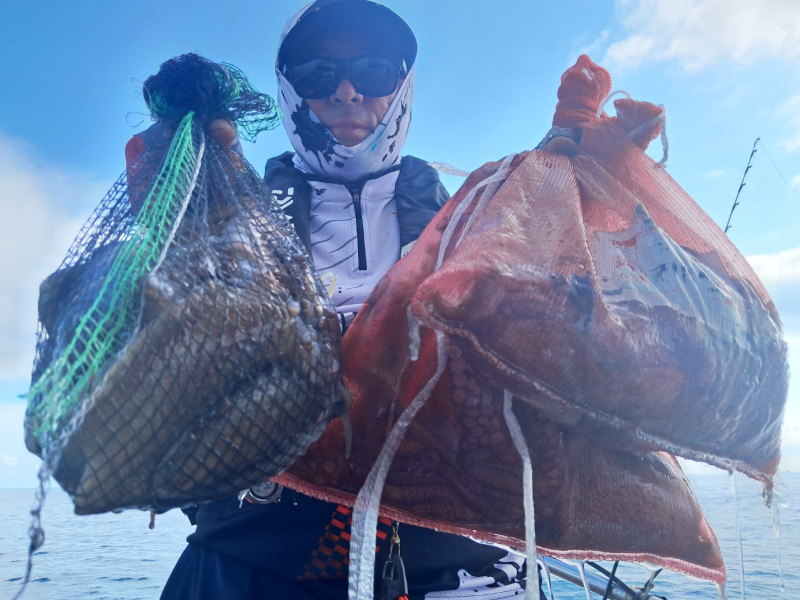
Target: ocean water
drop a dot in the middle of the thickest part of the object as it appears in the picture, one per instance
(117, 557)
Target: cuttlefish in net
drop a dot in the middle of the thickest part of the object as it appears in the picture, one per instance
(587, 302)
(187, 348)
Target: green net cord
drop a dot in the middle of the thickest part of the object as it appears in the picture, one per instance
(252, 111)
(113, 317)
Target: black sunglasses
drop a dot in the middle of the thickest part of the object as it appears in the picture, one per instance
(372, 76)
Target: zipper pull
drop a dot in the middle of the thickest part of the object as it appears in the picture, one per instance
(362, 249)
(394, 585)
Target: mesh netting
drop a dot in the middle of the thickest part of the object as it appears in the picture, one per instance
(215, 91)
(609, 299)
(187, 349)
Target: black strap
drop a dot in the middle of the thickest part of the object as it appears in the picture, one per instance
(358, 184)
(612, 579)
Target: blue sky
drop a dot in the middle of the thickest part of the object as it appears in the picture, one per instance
(487, 76)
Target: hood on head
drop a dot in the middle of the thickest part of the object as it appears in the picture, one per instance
(357, 16)
(317, 151)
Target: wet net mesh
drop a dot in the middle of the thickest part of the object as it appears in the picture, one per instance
(187, 349)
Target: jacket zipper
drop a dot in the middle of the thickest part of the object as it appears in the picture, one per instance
(362, 247)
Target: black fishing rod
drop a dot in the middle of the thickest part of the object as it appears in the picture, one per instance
(741, 185)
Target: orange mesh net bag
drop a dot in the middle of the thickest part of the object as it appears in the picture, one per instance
(623, 323)
(600, 292)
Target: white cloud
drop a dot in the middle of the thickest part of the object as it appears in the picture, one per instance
(777, 270)
(699, 33)
(790, 435)
(596, 46)
(789, 112)
(17, 466)
(9, 461)
(795, 182)
(780, 274)
(43, 207)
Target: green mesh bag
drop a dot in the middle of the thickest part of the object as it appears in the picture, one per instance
(187, 349)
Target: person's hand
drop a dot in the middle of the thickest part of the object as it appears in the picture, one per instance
(562, 140)
(222, 131)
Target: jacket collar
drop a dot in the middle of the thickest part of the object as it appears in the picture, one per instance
(418, 193)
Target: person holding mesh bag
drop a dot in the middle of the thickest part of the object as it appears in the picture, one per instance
(345, 73)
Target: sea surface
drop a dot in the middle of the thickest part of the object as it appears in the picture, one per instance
(117, 557)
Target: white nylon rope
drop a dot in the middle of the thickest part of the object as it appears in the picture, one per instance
(661, 117)
(492, 183)
(448, 169)
(365, 512)
(531, 591)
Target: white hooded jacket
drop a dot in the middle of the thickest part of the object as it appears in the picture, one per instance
(355, 237)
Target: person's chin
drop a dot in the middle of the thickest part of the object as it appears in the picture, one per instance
(350, 136)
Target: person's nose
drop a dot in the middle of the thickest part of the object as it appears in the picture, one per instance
(346, 93)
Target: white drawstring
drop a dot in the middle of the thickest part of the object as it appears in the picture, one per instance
(661, 117)
(448, 169)
(365, 511)
(609, 97)
(493, 182)
(532, 586)
(664, 141)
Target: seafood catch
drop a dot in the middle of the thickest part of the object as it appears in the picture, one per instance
(188, 349)
(621, 321)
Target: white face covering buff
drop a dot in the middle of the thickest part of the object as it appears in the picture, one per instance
(320, 153)
(317, 150)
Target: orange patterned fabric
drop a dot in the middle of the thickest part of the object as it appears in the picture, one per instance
(332, 558)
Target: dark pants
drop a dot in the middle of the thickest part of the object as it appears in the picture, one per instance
(202, 574)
